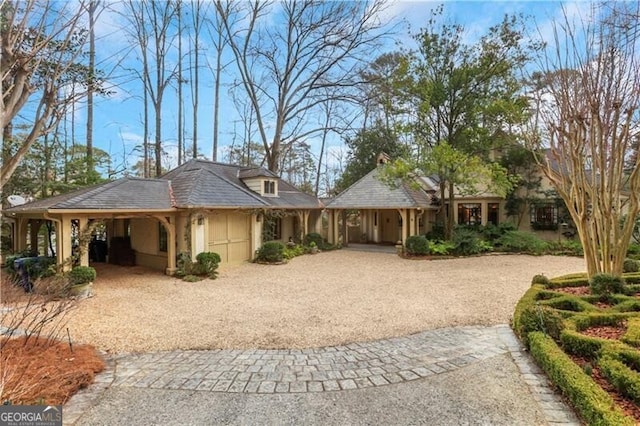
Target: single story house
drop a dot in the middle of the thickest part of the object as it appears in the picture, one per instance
(388, 214)
(198, 206)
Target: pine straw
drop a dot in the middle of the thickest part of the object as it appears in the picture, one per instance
(42, 371)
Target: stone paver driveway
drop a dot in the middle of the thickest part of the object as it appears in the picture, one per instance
(351, 368)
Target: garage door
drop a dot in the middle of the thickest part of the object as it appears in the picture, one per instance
(230, 236)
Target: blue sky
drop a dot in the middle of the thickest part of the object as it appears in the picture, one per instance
(118, 118)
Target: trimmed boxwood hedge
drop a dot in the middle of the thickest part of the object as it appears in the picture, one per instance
(590, 400)
(550, 322)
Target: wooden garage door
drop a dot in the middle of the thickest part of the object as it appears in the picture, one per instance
(230, 236)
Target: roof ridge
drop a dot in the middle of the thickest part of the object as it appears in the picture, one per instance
(246, 191)
(353, 185)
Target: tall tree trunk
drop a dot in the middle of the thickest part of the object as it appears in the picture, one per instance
(180, 79)
(92, 65)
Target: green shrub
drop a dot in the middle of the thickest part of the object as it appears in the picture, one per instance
(631, 265)
(81, 275)
(313, 237)
(184, 265)
(581, 345)
(540, 279)
(292, 251)
(570, 303)
(543, 319)
(606, 284)
(207, 263)
(467, 242)
(565, 247)
(590, 400)
(417, 245)
(632, 336)
(623, 378)
(522, 242)
(440, 247)
(271, 251)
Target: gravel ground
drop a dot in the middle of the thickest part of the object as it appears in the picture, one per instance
(328, 299)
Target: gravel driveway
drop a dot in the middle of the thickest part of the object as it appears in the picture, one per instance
(331, 298)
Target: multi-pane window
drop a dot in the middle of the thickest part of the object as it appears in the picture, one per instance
(544, 216)
(469, 214)
(269, 187)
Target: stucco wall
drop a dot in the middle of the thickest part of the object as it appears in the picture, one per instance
(144, 240)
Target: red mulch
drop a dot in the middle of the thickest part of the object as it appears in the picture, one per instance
(48, 372)
(627, 405)
(577, 291)
(606, 331)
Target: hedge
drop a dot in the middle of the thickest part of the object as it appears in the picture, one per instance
(632, 336)
(592, 403)
(624, 379)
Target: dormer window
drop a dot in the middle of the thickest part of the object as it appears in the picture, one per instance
(269, 187)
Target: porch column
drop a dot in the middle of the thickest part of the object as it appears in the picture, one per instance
(331, 227)
(64, 243)
(305, 222)
(405, 225)
(34, 228)
(413, 222)
(83, 226)
(169, 224)
(20, 236)
(345, 229)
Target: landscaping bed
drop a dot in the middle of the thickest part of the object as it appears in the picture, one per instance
(585, 334)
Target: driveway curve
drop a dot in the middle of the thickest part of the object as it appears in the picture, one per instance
(329, 299)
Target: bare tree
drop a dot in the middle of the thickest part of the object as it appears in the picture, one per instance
(198, 14)
(286, 69)
(589, 123)
(41, 41)
(152, 24)
(215, 28)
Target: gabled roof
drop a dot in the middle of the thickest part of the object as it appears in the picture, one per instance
(371, 193)
(194, 184)
(202, 183)
(123, 194)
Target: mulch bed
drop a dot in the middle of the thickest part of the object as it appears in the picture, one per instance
(576, 291)
(627, 405)
(606, 331)
(46, 372)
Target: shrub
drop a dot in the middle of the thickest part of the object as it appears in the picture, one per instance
(593, 403)
(271, 251)
(543, 319)
(192, 278)
(81, 275)
(292, 251)
(440, 247)
(605, 284)
(207, 263)
(623, 378)
(313, 237)
(540, 279)
(417, 245)
(520, 241)
(631, 265)
(467, 242)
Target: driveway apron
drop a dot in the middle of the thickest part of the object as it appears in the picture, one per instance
(462, 375)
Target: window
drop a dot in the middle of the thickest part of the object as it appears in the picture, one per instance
(494, 213)
(272, 229)
(163, 239)
(269, 187)
(544, 216)
(469, 214)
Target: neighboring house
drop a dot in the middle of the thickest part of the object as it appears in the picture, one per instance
(199, 206)
(385, 214)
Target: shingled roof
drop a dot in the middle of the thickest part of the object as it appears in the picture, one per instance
(202, 183)
(371, 193)
(194, 184)
(123, 194)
